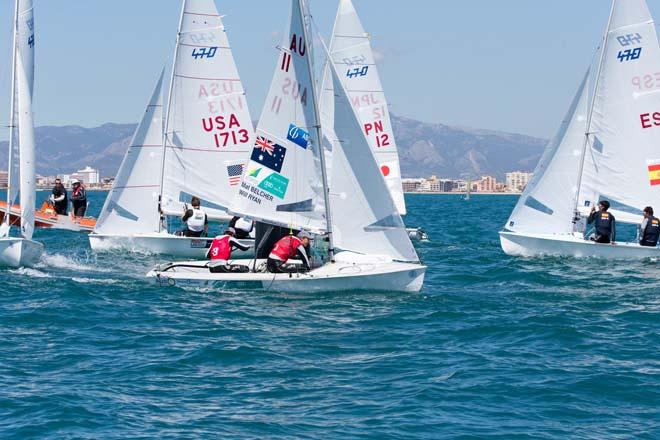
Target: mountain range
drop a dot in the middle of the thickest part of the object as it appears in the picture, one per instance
(424, 148)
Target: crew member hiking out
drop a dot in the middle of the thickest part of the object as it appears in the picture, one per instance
(649, 230)
(78, 198)
(604, 223)
(58, 198)
(220, 253)
(286, 248)
(195, 219)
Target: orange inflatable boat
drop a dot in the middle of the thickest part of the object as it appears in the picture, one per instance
(47, 218)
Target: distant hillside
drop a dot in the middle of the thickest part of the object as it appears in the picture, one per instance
(425, 149)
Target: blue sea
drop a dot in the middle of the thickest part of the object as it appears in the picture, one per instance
(493, 347)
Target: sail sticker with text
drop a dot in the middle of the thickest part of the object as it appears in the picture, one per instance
(629, 54)
(654, 172)
(298, 136)
(204, 52)
(272, 182)
(268, 154)
(357, 71)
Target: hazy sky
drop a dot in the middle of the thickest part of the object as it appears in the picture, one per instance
(508, 65)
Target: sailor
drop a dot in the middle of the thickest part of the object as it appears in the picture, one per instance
(220, 251)
(243, 227)
(58, 198)
(604, 223)
(195, 219)
(286, 248)
(78, 198)
(649, 230)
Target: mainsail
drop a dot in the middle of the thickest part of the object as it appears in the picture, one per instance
(351, 52)
(283, 182)
(208, 131)
(21, 102)
(364, 216)
(24, 86)
(132, 204)
(624, 130)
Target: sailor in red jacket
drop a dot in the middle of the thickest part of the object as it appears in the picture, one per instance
(220, 250)
(286, 248)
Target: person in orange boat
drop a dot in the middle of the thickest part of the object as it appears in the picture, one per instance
(78, 198)
(58, 198)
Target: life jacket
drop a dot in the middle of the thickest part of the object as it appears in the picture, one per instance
(603, 223)
(197, 220)
(244, 225)
(286, 247)
(651, 232)
(220, 248)
(77, 191)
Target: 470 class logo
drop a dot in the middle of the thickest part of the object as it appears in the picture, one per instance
(629, 54)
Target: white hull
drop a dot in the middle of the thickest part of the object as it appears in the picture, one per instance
(332, 277)
(167, 244)
(19, 252)
(536, 245)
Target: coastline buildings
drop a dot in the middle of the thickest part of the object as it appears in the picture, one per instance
(517, 180)
(486, 184)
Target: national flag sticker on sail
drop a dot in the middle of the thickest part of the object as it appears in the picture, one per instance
(268, 154)
(234, 172)
(654, 172)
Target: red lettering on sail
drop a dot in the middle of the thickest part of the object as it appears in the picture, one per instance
(650, 119)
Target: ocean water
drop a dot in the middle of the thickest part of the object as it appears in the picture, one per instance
(493, 347)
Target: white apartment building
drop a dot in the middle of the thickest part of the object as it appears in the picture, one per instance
(517, 180)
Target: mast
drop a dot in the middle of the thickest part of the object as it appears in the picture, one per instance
(167, 116)
(319, 133)
(591, 112)
(12, 117)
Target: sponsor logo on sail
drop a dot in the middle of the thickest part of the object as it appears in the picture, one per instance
(298, 136)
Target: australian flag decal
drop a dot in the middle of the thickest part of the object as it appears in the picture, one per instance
(268, 154)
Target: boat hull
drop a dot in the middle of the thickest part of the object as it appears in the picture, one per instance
(331, 277)
(537, 245)
(47, 218)
(19, 252)
(166, 244)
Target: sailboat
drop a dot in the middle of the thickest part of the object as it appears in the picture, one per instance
(21, 251)
(605, 149)
(201, 151)
(468, 190)
(350, 48)
(286, 184)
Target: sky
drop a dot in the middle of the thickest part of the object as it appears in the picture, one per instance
(510, 65)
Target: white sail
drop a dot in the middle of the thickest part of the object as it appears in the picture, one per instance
(25, 122)
(364, 216)
(352, 53)
(547, 204)
(208, 132)
(132, 203)
(283, 181)
(624, 135)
